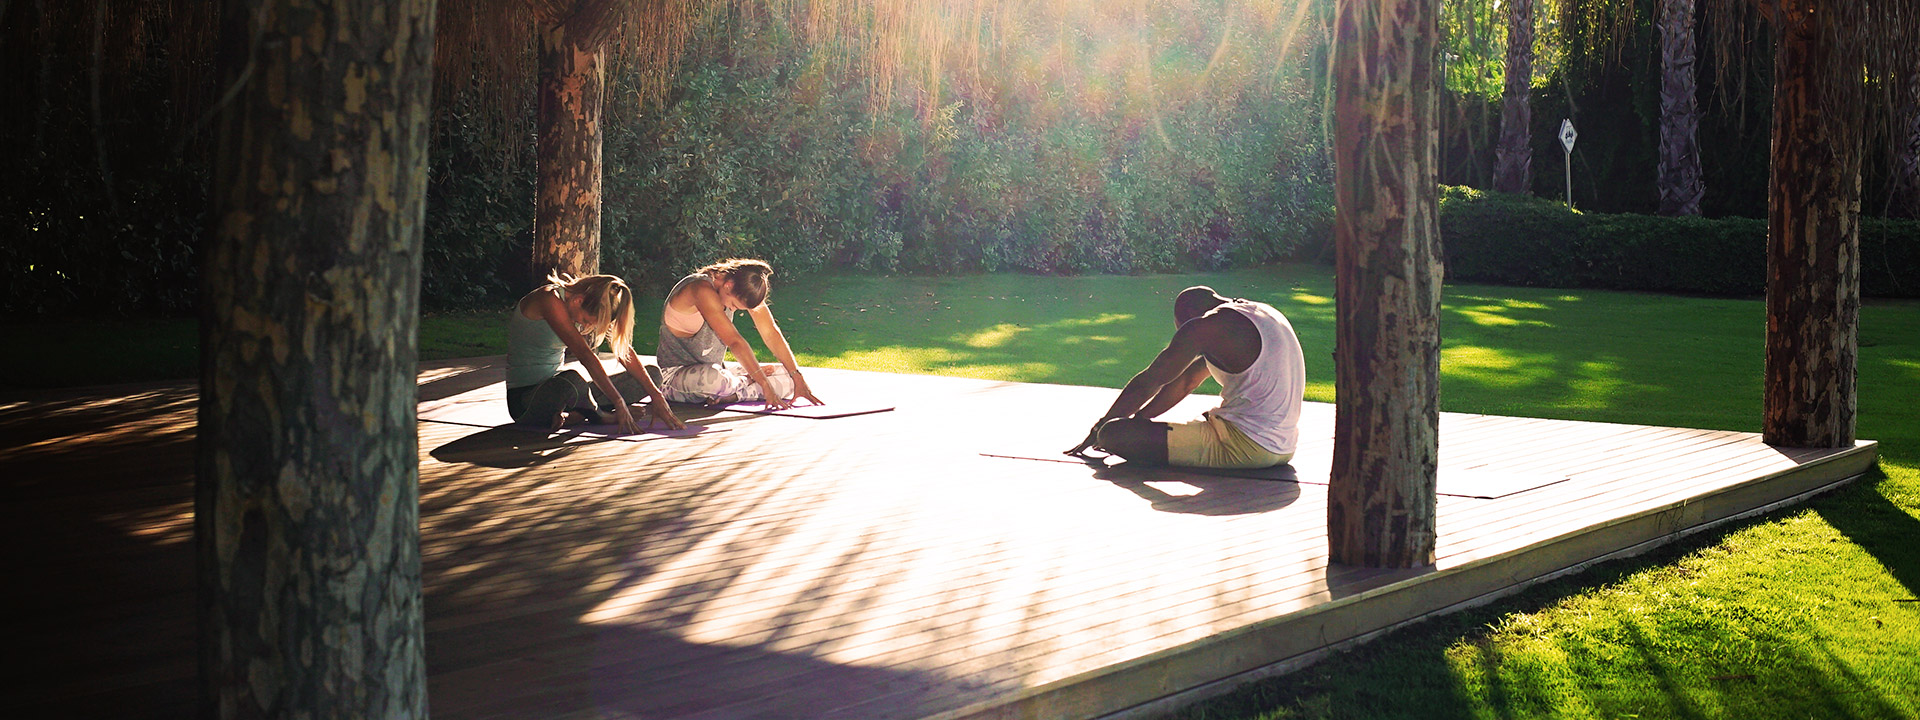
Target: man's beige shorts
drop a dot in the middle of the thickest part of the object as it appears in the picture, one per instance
(1211, 442)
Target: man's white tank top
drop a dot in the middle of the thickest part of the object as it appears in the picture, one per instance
(1264, 401)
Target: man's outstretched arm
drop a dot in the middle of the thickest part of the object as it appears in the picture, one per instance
(1170, 366)
(1172, 393)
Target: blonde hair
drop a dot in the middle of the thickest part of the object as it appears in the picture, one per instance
(750, 278)
(607, 300)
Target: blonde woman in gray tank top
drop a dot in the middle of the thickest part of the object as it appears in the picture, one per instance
(576, 315)
(696, 331)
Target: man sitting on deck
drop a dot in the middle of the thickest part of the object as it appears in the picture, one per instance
(1250, 348)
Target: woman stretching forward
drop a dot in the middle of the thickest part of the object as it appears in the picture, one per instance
(576, 314)
(696, 331)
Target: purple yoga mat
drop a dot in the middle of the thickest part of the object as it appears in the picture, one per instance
(808, 410)
(487, 408)
(595, 430)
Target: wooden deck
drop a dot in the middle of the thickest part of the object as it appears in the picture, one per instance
(879, 566)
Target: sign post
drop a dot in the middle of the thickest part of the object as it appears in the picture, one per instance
(1567, 136)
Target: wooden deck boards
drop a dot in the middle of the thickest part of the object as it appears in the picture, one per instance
(876, 566)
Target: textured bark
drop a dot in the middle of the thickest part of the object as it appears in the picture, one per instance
(1680, 183)
(1513, 158)
(306, 498)
(1813, 241)
(567, 220)
(1381, 502)
(1905, 200)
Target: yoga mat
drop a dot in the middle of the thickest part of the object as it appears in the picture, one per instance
(1282, 473)
(1477, 484)
(596, 430)
(806, 409)
(843, 399)
(487, 408)
(1490, 485)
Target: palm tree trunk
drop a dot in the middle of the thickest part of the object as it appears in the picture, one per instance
(1381, 503)
(566, 223)
(1513, 158)
(1813, 239)
(1679, 174)
(306, 498)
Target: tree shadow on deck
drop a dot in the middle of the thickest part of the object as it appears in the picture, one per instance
(99, 499)
(515, 561)
(594, 583)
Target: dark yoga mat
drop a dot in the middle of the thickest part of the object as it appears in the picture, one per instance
(479, 411)
(611, 432)
(1472, 483)
(1283, 473)
(807, 409)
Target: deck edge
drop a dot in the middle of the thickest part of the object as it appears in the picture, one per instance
(1160, 681)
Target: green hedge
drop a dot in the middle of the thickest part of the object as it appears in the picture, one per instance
(1519, 240)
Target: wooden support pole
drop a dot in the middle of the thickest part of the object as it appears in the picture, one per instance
(1813, 237)
(566, 224)
(1381, 502)
(306, 496)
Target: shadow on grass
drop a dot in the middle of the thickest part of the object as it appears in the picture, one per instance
(1681, 661)
(1884, 530)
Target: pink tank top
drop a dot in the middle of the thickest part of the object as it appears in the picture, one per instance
(684, 324)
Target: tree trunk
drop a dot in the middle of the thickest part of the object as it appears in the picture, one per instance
(1513, 159)
(1813, 242)
(1679, 174)
(306, 500)
(1905, 200)
(1380, 508)
(567, 220)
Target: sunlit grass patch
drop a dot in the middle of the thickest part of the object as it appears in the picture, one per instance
(992, 337)
(1494, 367)
(1601, 384)
(1101, 319)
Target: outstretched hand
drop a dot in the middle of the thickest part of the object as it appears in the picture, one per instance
(1091, 443)
(658, 411)
(800, 390)
(773, 399)
(628, 426)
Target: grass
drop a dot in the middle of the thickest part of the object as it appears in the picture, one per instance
(121, 350)
(1800, 614)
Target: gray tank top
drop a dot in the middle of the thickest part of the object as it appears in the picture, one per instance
(534, 353)
(704, 348)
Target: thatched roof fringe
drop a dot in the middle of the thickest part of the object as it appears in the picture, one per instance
(1877, 41)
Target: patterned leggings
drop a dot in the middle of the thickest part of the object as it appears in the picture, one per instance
(568, 390)
(706, 383)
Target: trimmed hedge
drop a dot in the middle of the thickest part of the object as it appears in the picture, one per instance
(1506, 239)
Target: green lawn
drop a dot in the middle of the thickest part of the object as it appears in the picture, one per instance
(1807, 613)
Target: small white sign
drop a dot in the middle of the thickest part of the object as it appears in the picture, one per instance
(1567, 135)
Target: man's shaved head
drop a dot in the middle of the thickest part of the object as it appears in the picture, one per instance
(1194, 302)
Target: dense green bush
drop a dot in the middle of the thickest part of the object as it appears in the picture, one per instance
(478, 230)
(766, 148)
(1518, 240)
(100, 219)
